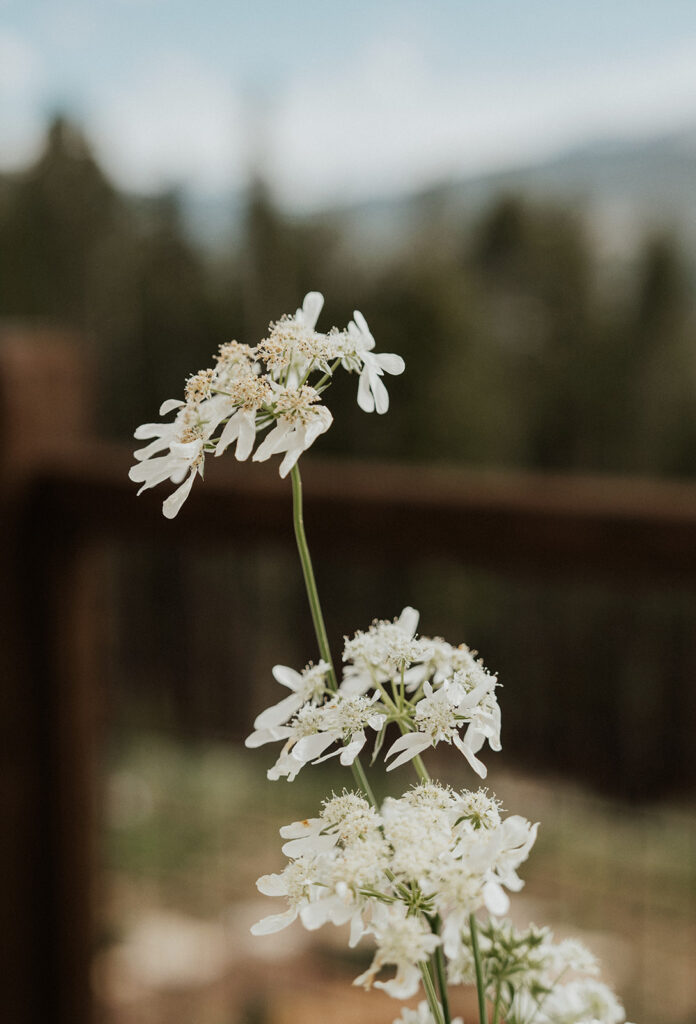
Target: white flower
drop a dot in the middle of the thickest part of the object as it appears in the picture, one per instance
(300, 422)
(477, 809)
(295, 883)
(402, 941)
(586, 1001)
(421, 1015)
(525, 967)
(314, 729)
(247, 394)
(344, 819)
(440, 714)
(495, 854)
(382, 652)
(443, 661)
(307, 686)
(233, 362)
(569, 955)
(432, 852)
(420, 834)
(358, 354)
(350, 817)
(186, 438)
(164, 434)
(338, 855)
(293, 346)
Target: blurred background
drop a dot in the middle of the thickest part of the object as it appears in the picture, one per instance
(507, 192)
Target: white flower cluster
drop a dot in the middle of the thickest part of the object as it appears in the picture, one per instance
(421, 1015)
(526, 976)
(432, 853)
(415, 873)
(251, 390)
(433, 691)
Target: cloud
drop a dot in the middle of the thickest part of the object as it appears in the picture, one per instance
(391, 121)
(19, 66)
(173, 122)
(384, 118)
(21, 124)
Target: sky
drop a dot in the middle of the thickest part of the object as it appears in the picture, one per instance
(340, 100)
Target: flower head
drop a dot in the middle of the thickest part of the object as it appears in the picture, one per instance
(252, 389)
(358, 355)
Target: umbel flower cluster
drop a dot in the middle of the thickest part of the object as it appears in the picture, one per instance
(425, 877)
(389, 872)
(273, 389)
(432, 691)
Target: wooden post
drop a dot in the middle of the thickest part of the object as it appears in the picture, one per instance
(48, 694)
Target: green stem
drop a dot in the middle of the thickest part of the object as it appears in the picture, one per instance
(442, 983)
(361, 779)
(308, 573)
(496, 1005)
(320, 383)
(315, 608)
(473, 928)
(431, 994)
(421, 770)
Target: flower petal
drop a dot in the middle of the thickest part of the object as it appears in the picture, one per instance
(410, 745)
(311, 308)
(287, 676)
(361, 324)
(275, 438)
(408, 620)
(171, 506)
(381, 394)
(391, 363)
(310, 747)
(478, 766)
(230, 432)
(169, 405)
(315, 844)
(151, 430)
(496, 899)
(274, 923)
(247, 434)
(365, 398)
(272, 885)
(278, 713)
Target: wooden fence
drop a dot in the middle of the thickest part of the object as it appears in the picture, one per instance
(64, 493)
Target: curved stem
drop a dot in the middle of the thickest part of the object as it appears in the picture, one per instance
(315, 608)
(473, 928)
(308, 573)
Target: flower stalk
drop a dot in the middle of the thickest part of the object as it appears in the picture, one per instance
(431, 994)
(478, 966)
(316, 611)
(308, 574)
(442, 983)
(413, 872)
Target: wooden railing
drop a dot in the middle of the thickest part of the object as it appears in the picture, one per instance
(65, 493)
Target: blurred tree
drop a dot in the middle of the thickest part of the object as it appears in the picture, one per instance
(518, 354)
(660, 368)
(284, 258)
(60, 210)
(533, 271)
